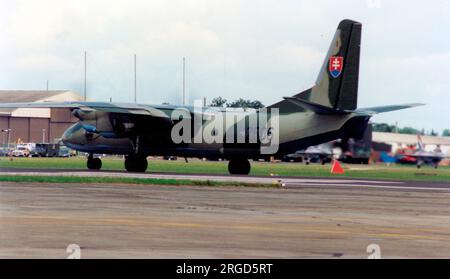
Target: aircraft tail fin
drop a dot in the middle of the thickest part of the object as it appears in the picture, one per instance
(420, 146)
(337, 84)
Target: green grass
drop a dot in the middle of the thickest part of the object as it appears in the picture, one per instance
(395, 172)
(125, 180)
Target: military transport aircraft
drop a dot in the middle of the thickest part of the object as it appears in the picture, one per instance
(323, 113)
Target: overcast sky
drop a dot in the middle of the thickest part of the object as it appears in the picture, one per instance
(252, 49)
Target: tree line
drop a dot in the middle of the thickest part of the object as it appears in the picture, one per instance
(239, 103)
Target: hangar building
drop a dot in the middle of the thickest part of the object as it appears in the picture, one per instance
(35, 124)
(397, 141)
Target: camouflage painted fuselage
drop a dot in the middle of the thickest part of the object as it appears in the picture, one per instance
(106, 133)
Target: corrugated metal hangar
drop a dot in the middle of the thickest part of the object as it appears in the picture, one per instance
(403, 140)
(36, 124)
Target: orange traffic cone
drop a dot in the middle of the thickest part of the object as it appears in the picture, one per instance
(337, 168)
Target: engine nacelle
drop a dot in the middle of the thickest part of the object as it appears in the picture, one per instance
(84, 114)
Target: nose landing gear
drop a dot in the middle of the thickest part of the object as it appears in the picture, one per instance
(94, 163)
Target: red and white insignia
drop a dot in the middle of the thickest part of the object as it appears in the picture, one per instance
(336, 65)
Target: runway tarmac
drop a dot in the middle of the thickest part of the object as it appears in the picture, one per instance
(310, 218)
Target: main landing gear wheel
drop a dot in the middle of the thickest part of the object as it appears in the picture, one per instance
(136, 163)
(239, 166)
(94, 163)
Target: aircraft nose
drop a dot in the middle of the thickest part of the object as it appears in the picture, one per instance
(74, 135)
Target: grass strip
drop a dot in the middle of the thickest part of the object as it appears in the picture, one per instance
(377, 172)
(127, 180)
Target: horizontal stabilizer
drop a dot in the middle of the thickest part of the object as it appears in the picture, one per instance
(319, 109)
(376, 110)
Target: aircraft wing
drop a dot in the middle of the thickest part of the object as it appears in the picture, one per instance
(133, 109)
(376, 110)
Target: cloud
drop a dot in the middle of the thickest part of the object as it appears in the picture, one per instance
(41, 61)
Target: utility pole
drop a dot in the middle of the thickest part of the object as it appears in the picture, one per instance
(135, 80)
(43, 135)
(9, 137)
(85, 73)
(47, 84)
(184, 81)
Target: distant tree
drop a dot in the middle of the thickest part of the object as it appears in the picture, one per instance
(218, 102)
(446, 133)
(242, 103)
(386, 128)
(239, 103)
(408, 130)
(383, 127)
(256, 104)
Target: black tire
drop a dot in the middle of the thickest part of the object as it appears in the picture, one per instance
(129, 164)
(141, 165)
(239, 166)
(136, 164)
(94, 164)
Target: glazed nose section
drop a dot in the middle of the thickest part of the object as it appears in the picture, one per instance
(75, 135)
